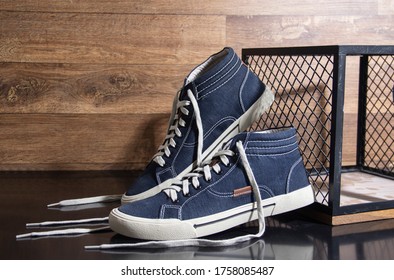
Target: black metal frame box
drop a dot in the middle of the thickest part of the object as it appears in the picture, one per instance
(310, 93)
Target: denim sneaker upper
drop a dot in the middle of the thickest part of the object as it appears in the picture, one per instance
(219, 98)
(222, 192)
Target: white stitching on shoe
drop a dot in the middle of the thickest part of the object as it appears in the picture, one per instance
(273, 147)
(222, 120)
(268, 141)
(276, 154)
(219, 78)
(218, 72)
(166, 206)
(291, 171)
(220, 85)
(241, 90)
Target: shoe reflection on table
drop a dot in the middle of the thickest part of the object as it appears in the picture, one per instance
(277, 244)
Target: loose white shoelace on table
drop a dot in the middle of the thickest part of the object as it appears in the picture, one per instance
(65, 232)
(90, 221)
(61, 232)
(173, 130)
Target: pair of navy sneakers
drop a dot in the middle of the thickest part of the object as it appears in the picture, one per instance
(209, 175)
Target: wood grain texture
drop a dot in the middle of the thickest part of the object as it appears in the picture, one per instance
(73, 71)
(83, 141)
(109, 38)
(365, 227)
(89, 88)
(348, 218)
(288, 31)
(362, 217)
(217, 7)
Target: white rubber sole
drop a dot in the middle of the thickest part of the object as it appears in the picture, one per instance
(174, 229)
(251, 115)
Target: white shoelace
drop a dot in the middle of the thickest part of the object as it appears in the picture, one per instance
(173, 130)
(61, 232)
(65, 232)
(203, 242)
(204, 170)
(86, 200)
(90, 221)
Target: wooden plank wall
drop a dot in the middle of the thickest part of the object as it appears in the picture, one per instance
(88, 85)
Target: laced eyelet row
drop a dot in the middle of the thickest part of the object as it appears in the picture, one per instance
(192, 179)
(176, 121)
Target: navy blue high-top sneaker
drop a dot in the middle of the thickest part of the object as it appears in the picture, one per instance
(255, 174)
(219, 98)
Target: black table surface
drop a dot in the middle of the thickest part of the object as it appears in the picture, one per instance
(24, 197)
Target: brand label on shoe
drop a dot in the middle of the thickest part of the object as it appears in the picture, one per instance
(242, 191)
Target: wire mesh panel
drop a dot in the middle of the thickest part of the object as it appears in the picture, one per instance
(379, 119)
(309, 83)
(303, 88)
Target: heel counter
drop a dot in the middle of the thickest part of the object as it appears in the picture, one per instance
(297, 177)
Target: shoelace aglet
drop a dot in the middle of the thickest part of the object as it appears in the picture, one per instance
(33, 225)
(86, 200)
(67, 222)
(106, 247)
(25, 235)
(94, 247)
(53, 205)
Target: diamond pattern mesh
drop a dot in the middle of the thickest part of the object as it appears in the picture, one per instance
(379, 138)
(303, 87)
